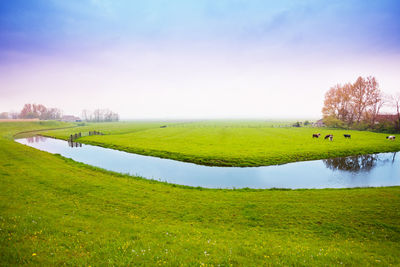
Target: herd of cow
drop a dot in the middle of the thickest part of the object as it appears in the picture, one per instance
(330, 136)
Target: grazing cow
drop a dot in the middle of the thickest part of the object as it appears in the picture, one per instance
(316, 135)
(328, 136)
(347, 136)
(391, 137)
(331, 138)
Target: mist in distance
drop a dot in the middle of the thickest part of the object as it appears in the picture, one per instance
(193, 59)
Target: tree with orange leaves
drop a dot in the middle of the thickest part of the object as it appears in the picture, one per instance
(353, 103)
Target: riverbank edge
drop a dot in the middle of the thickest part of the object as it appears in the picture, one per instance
(200, 188)
(218, 162)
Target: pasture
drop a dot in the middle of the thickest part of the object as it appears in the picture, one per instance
(55, 211)
(234, 143)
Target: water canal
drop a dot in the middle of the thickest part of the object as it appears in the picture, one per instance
(356, 171)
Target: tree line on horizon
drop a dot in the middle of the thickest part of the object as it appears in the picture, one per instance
(357, 106)
(41, 112)
(99, 115)
(34, 111)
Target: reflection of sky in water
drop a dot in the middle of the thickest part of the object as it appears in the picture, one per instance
(368, 170)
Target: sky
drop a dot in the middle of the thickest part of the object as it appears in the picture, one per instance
(159, 59)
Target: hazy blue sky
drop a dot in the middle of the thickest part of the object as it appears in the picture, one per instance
(199, 59)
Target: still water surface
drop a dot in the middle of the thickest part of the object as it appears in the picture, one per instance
(357, 171)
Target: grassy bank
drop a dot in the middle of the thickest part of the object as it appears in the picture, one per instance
(56, 211)
(233, 143)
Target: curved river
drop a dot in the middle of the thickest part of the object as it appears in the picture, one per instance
(356, 171)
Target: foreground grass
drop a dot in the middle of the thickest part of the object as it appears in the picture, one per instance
(56, 211)
(233, 143)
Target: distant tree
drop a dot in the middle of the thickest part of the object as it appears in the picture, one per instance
(27, 112)
(4, 115)
(306, 123)
(115, 117)
(52, 114)
(14, 115)
(31, 111)
(99, 115)
(86, 115)
(40, 110)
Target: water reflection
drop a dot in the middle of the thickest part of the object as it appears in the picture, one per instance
(394, 157)
(362, 163)
(36, 139)
(74, 144)
(357, 164)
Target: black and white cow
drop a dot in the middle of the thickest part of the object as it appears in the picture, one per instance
(391, 137)
(316, 135)
(347, 136)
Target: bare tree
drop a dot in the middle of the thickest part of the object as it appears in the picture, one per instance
(99, 115)
(53, 114)
(85, 115)
(115, 117)
(365, 93)
(14, 115)
(395, 102)
(375, 107)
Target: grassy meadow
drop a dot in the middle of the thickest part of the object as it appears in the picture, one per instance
(234, 143)
(56, 211)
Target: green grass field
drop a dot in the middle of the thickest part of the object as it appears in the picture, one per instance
(55, 211)
(234, 143)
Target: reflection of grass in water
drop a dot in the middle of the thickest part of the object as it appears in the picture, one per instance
(232, 143)
(55, 211)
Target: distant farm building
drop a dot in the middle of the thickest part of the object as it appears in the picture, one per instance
(70, 118)
(319, 123)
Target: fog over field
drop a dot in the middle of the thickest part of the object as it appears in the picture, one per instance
(193, 59)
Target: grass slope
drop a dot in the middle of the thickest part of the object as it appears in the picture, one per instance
(235, 143)
(56, 211)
